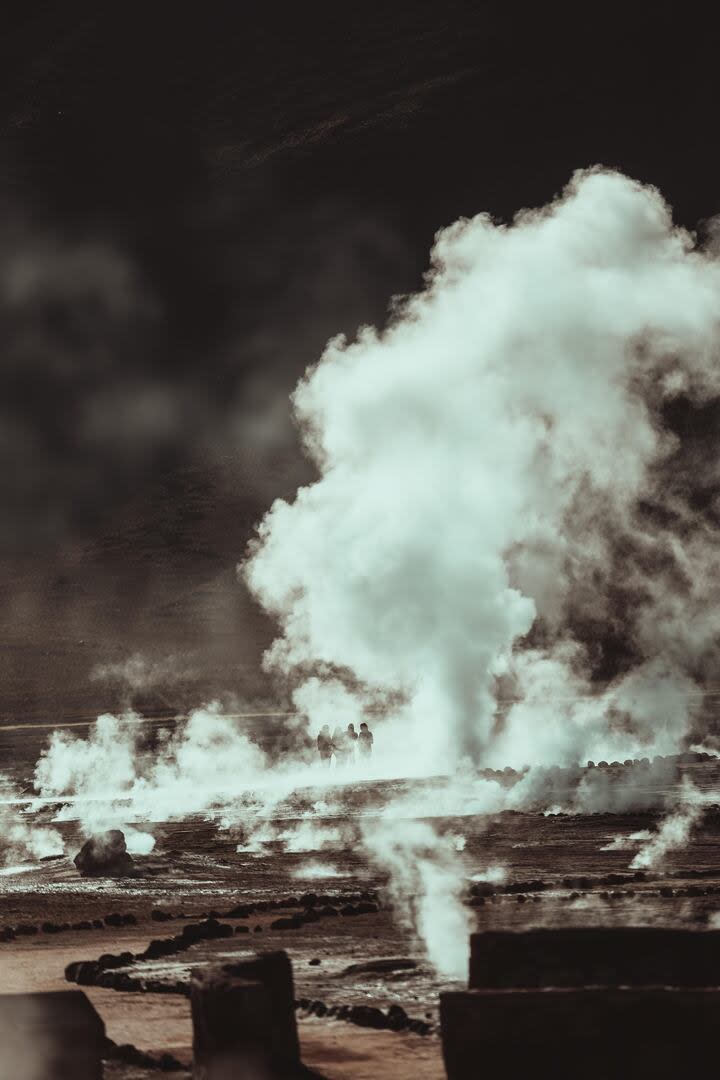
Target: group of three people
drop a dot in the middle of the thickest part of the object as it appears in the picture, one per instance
(342, 744)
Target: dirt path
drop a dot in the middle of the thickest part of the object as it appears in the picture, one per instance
(344, 1052)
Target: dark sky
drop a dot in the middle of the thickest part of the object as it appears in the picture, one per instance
(192, 202)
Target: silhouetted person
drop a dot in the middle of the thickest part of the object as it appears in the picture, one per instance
(325, 744)
(339, 746)
(365, 741)
(351, 737)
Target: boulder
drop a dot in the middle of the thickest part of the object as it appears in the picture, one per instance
(105, 855)
(290, 922)
(368, 1016)
(397, 1018)
(158, 915)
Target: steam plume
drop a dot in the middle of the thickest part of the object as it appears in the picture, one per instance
(20, 837)
(427, 879)
(674, 831)
(491, 465)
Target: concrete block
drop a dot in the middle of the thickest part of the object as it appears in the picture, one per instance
(244, 1019)
(599, 956)
(50, 1036)
(596, 1034)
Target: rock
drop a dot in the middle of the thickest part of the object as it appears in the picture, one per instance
(158, 915)
(109, 961)
(105, 855)
(483, 888)
(397, 1018)
(191, 933)
(83, 972)
(292, 922)
(214, 929)
(240, 911)
(130, 1055)
(314, 962)
(26, 929)
(205, 931)
(419, 1027)
(115, 919)
(368, 1016)
(167, 1063)
(242, 929)
(160, 947)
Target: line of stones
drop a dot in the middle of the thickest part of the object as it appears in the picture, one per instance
(104, 971)
(130, 1055)
(395, 1019)
(115, 919)
(483, 890)
(10, 933)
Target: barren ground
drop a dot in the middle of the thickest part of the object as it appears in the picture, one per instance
(561, 869)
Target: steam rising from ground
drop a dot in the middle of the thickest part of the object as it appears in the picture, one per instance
(498, 490)
(426, 882)
(20, 837)
(484, 463)
(674, 831)
(499, 494)
(205, 762)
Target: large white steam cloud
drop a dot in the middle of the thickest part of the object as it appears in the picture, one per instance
(492, 467)
(479, 461)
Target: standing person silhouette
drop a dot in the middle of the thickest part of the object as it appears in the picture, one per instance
(351, 737)
(365, 741)
(325, 745)
(339, 746)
